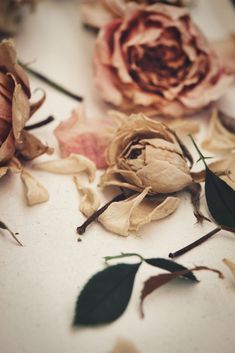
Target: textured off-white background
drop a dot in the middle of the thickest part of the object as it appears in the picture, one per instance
(39, 283)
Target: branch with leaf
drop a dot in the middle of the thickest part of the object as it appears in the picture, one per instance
(106, 295)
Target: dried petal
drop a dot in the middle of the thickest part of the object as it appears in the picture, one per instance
(129, 215)
(79, 135)
(148, 211)
(218, 139)
(90, 201)
(225, 49)
(230, 264)
(20, 112)
(31, 147)
(35, 192)
(73, 164)
(117, 217)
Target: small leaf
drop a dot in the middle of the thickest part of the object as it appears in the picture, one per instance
(106, 295)
(156, 282)
(220, 199)
(171, 266)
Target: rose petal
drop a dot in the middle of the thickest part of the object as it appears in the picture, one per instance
(230, 264)
(20, 112)
(149, 211)
(31, 147)
(35, 192)
(117, 217)
(124, 346)
(218, 138)
(71, 165)
(7, 149)
(225, 49)
(79, 135)
(90, 201)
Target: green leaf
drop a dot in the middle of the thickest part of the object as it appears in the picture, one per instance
(220, 199)
(171, 266)
(106, 295)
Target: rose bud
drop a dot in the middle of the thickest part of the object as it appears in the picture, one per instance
(15, 109)
(145, 153)
(157, 61)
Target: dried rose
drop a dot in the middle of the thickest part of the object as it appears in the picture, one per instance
(156, 60)
(10, 13)
(97, 13)
(144, 153)
(15, 109)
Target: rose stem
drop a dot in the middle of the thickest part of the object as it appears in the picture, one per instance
(40, 124)
(4, 226)
(81, 229)
(195, 243)
(51, 83)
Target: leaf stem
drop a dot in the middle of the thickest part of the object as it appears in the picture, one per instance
(40, 124)
(195, 243)
(81, 229)
(202, 158)
(108, 258)
(5, 227)
(51, 83)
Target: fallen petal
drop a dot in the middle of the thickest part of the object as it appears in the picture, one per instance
(90, 201)
(73, 164)
(35, 192)
(117, 217)
(148, 211)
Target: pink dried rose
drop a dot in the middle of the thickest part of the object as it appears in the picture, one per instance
(97, 13)
(15, 110)
(156, 60)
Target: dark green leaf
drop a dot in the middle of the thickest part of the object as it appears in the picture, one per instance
(220, 199)
(171, 266)
(106, 295)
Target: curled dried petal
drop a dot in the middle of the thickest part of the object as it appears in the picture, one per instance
(73, 164)
(129, 215)
(90, 201)
(35, 192)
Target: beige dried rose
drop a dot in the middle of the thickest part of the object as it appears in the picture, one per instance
(16, 110)
(97, 13)
(145, 153)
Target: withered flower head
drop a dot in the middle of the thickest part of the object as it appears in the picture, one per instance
(144, 153)
(15, 109)
(156, 60)
(10, 14)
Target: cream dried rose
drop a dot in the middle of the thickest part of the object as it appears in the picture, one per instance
(97, 13)
(144, 153)
(15, 109)
(156, 60)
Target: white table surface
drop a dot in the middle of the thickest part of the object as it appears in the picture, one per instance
(40, 282)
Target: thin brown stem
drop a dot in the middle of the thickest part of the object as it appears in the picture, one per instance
(81, 229)
(195, 243)
(5, 227)
(40, 124)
